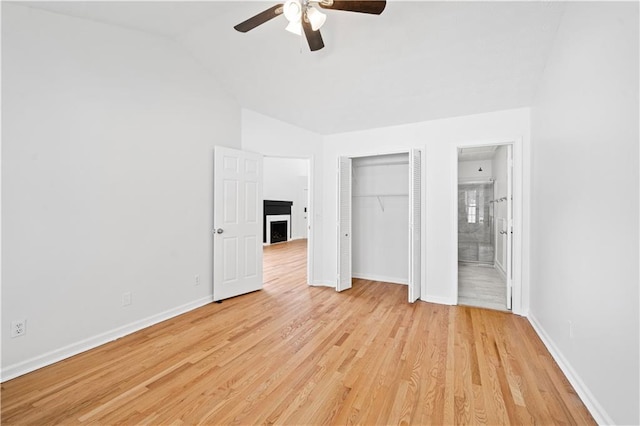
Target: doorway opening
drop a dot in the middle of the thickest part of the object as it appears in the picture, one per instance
(485, 226)
(287, 210)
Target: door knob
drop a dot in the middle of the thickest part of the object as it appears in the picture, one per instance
(219, 231)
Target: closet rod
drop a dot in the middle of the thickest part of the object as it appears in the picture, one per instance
(388, 163)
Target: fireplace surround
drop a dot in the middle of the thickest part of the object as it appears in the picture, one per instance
(277, 221)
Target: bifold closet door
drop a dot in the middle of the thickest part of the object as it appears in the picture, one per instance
(415, 215)
(509, 248)
(344, 224)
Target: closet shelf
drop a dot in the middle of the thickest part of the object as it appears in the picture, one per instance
(385, 163)
(381, 195)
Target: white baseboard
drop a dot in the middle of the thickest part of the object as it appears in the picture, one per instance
(392, 280)
(592, 404)
(439, 300)
(27, 366)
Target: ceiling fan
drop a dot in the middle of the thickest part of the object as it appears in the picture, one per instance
(303, 16)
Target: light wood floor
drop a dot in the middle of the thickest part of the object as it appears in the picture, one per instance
(482, 286)
(293, 354)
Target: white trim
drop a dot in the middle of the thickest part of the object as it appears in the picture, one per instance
(381, 154)
(278, 218)
(597, 411)
(29, 365)
(310, 231)
(454, 224)
(370, 277)
(423, 220)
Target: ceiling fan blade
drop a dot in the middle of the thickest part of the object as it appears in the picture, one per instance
(260, 18)
(314, 38)
(374, 7)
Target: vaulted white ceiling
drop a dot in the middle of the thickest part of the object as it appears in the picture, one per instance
(417, 61)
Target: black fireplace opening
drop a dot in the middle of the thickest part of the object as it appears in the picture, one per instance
(278, 231)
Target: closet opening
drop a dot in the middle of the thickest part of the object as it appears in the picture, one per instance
(379, 220)
(380, 202)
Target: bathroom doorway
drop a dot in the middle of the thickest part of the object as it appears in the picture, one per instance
(485, 226)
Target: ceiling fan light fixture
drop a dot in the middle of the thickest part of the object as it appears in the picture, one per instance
(292, 10)
(295, 27)
(316, 18)
(305, 19)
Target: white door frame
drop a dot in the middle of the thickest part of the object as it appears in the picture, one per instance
(518, 305)
(310, 210)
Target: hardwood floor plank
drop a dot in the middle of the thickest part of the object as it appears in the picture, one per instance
(294, 354)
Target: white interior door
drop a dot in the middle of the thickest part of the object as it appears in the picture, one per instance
(344, 224)
(237, 221)
(509, 248)
(415, 191)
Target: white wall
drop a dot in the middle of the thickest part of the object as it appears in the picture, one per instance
(584, 218)
(107, 165)
(275, 138)
(438, 140)
(285, 180)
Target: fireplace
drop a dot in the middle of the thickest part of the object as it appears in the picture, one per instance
(277, 221)
(278, 224)
(279, 230)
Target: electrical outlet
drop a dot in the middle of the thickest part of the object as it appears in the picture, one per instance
(197, 280)
(126, 299)
(18, 328)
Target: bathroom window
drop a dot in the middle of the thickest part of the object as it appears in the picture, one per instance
(472, 207)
